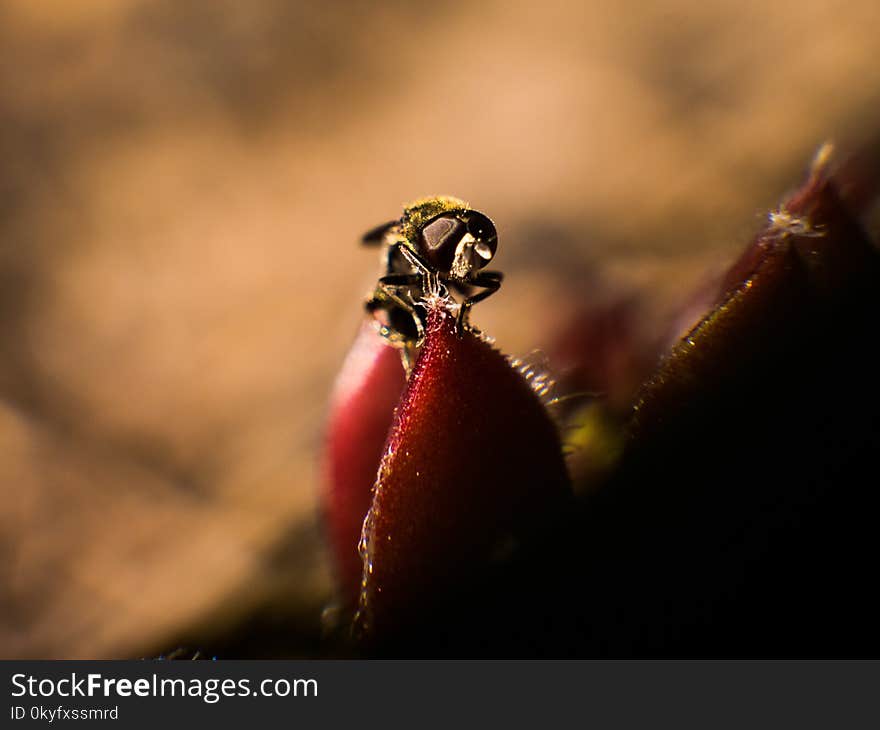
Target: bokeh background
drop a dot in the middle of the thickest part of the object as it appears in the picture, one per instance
(182, 186)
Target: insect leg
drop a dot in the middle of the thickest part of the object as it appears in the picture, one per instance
(398, 281)
(403, 327)
(432, 282)
(412, 257)
(490, 282)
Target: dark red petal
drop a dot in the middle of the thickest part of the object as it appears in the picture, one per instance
(472, 461)
(811, 258)
(741, 519)
(365, 394)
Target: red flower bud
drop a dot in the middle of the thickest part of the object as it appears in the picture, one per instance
(472, 462)
(812, 265)
(366, 391)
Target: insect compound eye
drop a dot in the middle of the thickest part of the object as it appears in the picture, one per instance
(485, 235)
(439, 239)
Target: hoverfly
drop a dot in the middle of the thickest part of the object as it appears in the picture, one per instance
(439, 246)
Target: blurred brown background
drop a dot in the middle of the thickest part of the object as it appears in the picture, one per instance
(182, 185)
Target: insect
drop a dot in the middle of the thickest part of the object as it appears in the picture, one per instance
(440, 245)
